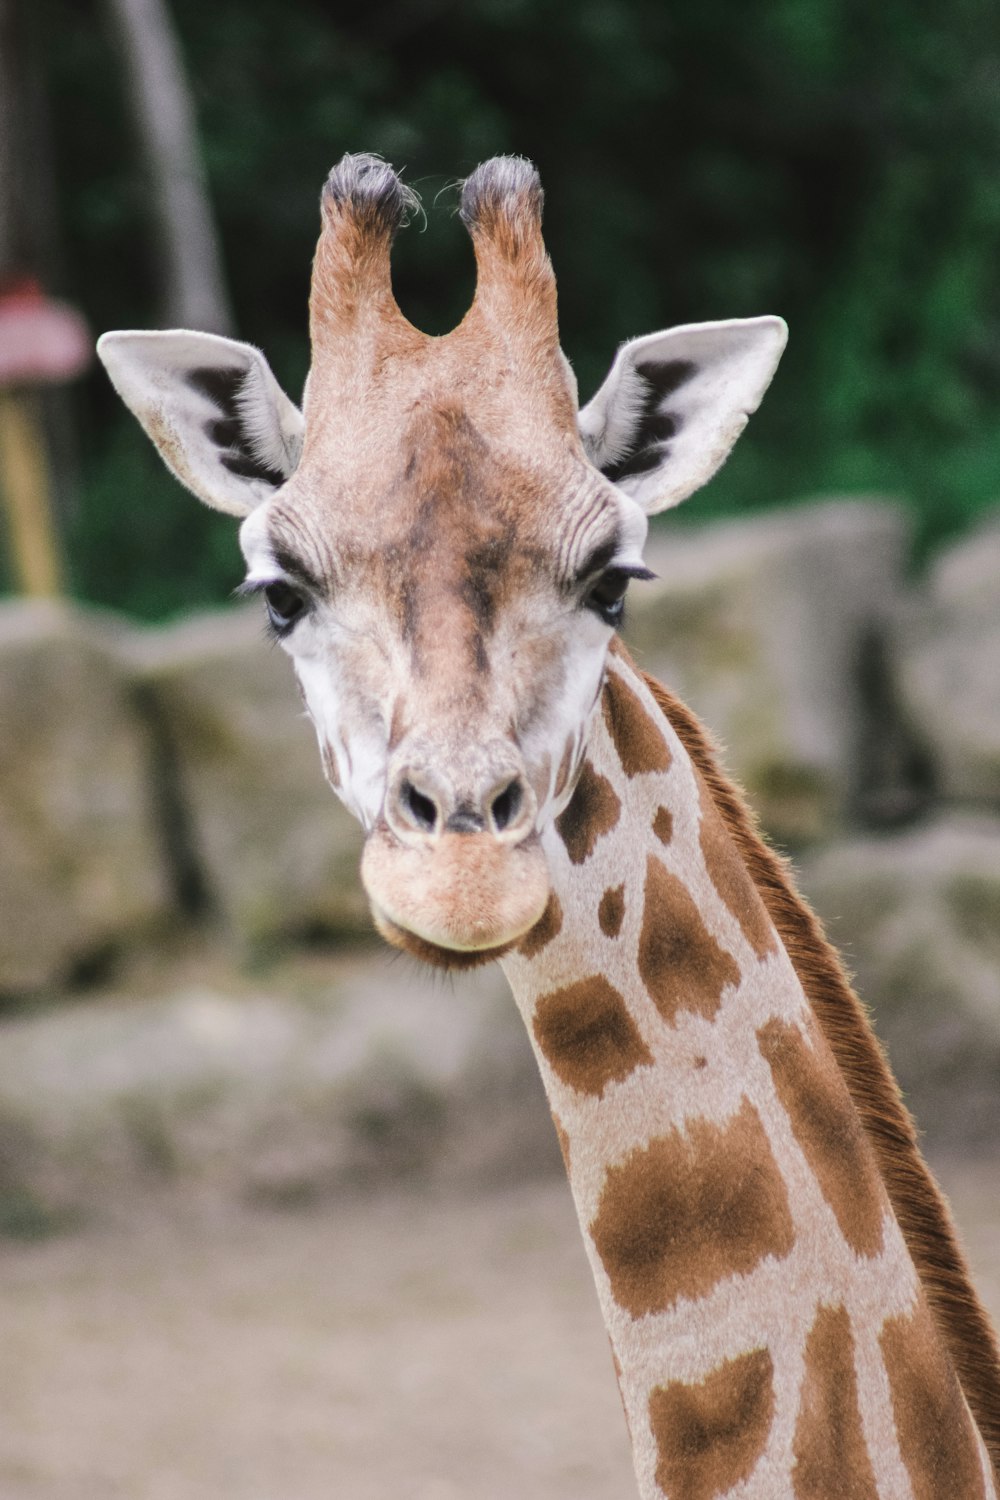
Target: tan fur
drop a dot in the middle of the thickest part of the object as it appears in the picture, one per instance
(916, 1199)
(720, 1425)
(731, 1131)
(588, 1036)
(689, 1210)
(490, 893)
(680, 962)
(593, 811)
(828, 1433)
(928, 1408)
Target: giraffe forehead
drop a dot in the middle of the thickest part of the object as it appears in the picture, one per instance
(445, 504)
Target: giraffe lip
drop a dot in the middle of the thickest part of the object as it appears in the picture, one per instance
(433, 953)
(468, 895)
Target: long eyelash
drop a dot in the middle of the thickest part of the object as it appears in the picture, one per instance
(249, 587)
(627, 570)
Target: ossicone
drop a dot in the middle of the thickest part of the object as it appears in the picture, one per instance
(363, 204)
(503, 191)
(365, 190)
(501, 207)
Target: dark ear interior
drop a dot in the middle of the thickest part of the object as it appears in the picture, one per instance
(231, 431)
(654, 422)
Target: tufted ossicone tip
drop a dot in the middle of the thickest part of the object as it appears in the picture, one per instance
(363, 204)
(501, 207)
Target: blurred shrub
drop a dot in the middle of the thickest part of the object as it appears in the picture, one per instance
(832, 160)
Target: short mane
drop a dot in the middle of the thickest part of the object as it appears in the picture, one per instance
(919, 1205)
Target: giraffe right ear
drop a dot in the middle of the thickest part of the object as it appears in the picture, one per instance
(674, 403)
(211, 405)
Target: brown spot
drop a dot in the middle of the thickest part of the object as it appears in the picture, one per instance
(545, 929)
(611, 912)
(663, 825)
(710, 1435)
(593, 810)
(562, 1137)
(681, 964)
(831, 1456)
(620, 1377)
(690, 1209)
(919, 1204)
(588, 1036)
(829, 1131)
(701, 1062)
(562, 775)
(398, 726)
(640, 742)
(731, 879)
(936, 1435)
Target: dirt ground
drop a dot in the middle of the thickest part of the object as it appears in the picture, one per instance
(424, 1348)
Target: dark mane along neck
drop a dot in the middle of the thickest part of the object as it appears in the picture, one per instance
(918, 1203)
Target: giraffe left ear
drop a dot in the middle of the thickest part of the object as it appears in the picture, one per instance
(674, 404)
(220, 420)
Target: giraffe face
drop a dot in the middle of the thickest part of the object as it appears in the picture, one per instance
(442, 540)
(448, 616)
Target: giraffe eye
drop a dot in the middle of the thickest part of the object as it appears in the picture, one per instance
(607, 597)
(285, 605)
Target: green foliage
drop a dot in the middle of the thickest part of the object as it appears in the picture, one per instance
(832, 160)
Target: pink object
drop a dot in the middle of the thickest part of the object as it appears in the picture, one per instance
(42, 342)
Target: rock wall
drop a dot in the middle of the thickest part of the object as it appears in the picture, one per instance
(81, 864)
(762, 626)
(151, 778)
(259, 842)
(276, 1088)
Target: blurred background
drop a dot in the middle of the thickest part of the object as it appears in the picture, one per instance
(280, 1216)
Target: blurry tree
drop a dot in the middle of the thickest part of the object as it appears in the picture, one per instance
(33, 332)
(194, 293)
(832, 160)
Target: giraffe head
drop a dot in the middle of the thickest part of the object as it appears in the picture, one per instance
(443, 541)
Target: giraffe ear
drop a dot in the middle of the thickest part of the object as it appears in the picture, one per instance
(221, 421)
(674, 404)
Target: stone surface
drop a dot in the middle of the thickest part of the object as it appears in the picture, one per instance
(762, 626)
(275, 852)
(81, 870)
(277, 1090)
(917, 916)
(948, 649)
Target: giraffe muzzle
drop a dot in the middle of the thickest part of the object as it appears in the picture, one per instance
(457, 899)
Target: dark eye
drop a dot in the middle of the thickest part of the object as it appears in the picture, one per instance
(284, 606)
(607, 596)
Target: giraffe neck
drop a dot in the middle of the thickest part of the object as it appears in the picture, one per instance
(770, 1330)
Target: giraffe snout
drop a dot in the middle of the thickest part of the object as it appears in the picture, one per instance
(424, 802)
(455, 871)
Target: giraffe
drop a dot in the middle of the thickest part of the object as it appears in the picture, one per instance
(444, 543)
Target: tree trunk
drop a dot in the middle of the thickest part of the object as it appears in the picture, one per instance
(195, 292)
(27, 521)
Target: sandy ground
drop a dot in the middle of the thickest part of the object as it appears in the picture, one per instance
(405, 1346)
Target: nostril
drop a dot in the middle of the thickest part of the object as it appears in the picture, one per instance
(504, 807)
(422, 809)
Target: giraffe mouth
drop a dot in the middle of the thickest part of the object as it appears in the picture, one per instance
(456, 901)
(455, 959)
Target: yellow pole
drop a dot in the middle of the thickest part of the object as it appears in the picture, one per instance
(24, 480)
